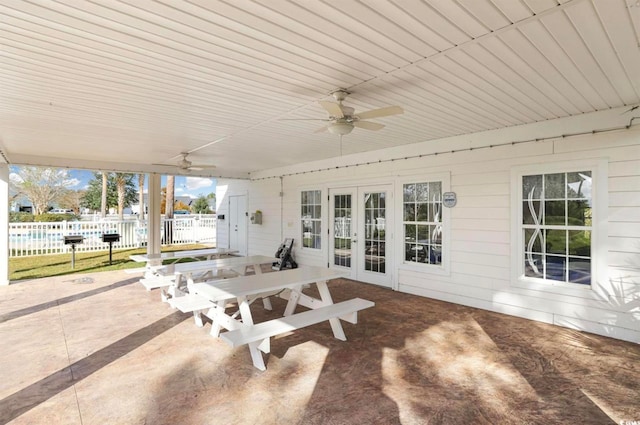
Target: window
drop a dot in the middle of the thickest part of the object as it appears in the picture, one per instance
(422, 222)
(311, 216)
(556, 226)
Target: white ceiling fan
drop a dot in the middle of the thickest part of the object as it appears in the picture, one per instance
(185, 165)
(342, 119)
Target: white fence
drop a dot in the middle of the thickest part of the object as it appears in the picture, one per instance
(28, 239)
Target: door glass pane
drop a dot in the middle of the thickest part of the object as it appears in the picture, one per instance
(342, 231)
(374, 237)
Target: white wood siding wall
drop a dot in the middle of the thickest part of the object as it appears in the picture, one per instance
(480, 270)
(265, 238)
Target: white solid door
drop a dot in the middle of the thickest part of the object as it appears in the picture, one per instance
(360, 233)
(238, 223)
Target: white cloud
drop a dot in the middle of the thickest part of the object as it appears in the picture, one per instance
(72, 182)
(194, 183)
(178, 190)
(15, 177)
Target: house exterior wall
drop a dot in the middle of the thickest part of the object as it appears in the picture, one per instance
(482, 253)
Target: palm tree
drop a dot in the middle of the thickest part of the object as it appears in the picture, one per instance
(121, 184)
(103, 203)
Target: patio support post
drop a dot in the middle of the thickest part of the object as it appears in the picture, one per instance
(4, 224)
(153, 217)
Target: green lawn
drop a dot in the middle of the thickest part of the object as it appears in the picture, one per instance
(86, 262)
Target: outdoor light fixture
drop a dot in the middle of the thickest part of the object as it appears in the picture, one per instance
(341, 128)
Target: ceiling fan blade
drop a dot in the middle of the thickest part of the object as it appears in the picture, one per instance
(200, 167)
(304, 119)
(334, 109)
(379, 113)
(322, 129)
(368, 125)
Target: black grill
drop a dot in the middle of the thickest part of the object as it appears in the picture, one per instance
(73, 239)
(110, 237)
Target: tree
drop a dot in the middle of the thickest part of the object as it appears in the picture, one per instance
(93, 196)
(168, 209)
(179, 205)
(171, 190)
(212, 201)
(201, 205)
(71, 199)
(141, 196)
(42, 186)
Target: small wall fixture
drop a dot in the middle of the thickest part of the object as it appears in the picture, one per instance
(256, 217)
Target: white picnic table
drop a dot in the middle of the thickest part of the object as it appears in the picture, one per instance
(213, 298)
(174, 279)
(238, 264)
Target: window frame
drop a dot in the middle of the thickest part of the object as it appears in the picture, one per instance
(599, 205)
(321, 204)
(444, 267)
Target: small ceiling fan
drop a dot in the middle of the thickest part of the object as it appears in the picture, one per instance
(342, 119)
(185, 165)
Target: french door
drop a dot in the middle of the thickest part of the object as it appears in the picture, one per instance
(360, 232)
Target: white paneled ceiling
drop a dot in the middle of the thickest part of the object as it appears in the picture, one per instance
(132, 83)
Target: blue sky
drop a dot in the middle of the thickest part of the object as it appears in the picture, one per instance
(185, 186)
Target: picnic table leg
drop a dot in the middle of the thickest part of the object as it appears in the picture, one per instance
(197, 316)
(215, 324)
(247, 319)
(266, 301)
(177, 289)
(293, 301)
(325, 296)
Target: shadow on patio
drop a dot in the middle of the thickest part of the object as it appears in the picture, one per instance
(409, 360)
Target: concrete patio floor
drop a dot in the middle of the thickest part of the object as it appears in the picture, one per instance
(108, 352)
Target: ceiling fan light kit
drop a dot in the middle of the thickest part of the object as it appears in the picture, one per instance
(340, 128)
